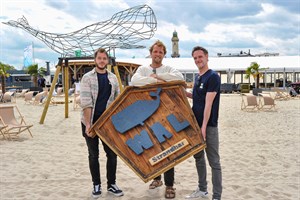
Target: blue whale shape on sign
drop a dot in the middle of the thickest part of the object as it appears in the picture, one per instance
(136, 113)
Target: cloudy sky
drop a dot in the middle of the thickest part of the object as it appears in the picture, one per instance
(222, 26)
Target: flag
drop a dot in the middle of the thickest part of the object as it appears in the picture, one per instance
(28, 56)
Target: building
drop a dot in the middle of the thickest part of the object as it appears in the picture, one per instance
(232, 69)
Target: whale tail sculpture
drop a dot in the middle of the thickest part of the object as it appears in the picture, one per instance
(136, 113)
(123, 30)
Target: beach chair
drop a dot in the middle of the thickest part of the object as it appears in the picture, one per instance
(9, 97)
(22, 93)
(2, 127)
(281, 94)
(60, 92)
(76, 101)
(28, 97)
(39, 97)
(266, 102)
(249, 102)
(13, 125)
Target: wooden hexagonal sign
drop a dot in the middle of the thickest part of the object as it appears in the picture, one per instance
(151, 128)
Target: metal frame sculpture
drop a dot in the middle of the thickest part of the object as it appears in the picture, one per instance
(123, 30)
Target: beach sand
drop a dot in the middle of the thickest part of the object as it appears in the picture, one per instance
(260, 157)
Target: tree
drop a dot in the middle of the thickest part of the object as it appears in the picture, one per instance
(3, 74)
(255, 71)
(35, 71)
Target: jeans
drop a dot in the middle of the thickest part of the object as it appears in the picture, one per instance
(168, 177)
(111, 163)
(212, 153)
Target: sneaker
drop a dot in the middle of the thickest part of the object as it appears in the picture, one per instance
(97, 191)
(197, 193)
(113, 188)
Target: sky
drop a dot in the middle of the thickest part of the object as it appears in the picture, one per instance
(221, 26)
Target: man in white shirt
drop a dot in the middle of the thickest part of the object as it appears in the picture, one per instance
(154, 73)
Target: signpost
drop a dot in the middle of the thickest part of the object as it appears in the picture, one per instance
(151, 128)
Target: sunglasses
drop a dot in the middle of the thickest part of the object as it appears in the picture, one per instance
(198, 81)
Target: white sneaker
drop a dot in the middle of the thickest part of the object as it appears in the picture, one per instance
(197, 193)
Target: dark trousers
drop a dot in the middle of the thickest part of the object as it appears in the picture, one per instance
(168, 177)
(111, 163)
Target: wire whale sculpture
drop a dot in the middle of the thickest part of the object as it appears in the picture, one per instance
(123, 30)
(136, 113)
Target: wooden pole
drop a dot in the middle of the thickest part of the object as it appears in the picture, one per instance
(109, 67)
(66, 88)
(116, 70)
(58, 68)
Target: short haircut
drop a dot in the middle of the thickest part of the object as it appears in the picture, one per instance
(100, 50)
(197, 48)
(159, 44)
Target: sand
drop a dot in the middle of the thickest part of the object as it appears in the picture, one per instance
(260, 157)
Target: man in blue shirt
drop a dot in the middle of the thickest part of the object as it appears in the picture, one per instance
(206, 100)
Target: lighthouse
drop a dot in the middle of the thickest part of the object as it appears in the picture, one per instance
(175, 47)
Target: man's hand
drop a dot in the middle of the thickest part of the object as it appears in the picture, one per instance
(87, 130)
(203, 131)
(159, 80)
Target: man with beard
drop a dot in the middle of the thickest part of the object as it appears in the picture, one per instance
(154, 73)
(98, 89)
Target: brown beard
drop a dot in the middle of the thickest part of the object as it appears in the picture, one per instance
(101, 68)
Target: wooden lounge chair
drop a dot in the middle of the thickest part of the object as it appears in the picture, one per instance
(13, 125)
(266, 102)
(38, 99)
(28, 97)
(22, 93)
(60, 92)
(249, 102)
(2, 127)
(281, 94)
(9, 97)
(76, 101)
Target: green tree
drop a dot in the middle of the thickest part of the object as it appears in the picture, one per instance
(35, 71)
(254, 70)
(3, 74)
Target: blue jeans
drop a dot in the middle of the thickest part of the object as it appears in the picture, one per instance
(212, 153)
(111, 163)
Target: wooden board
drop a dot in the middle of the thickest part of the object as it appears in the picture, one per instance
(155, 143)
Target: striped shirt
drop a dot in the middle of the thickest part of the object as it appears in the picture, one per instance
(89, 91)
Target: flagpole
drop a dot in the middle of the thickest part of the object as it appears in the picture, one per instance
(32, 52)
